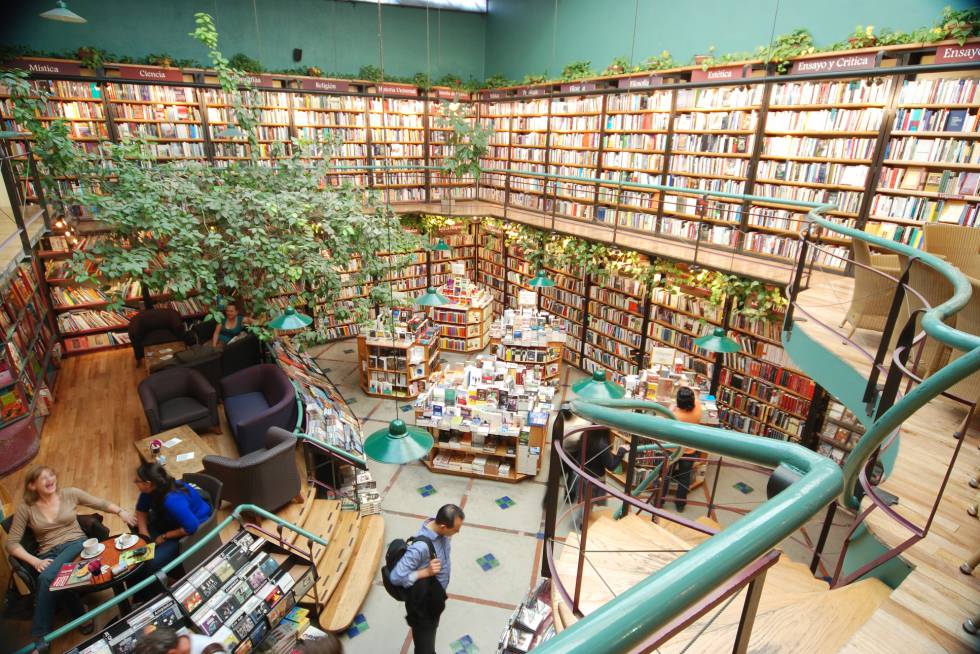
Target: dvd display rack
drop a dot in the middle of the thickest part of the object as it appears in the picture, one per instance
(397, 353)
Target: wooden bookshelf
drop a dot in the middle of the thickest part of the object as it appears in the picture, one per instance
(490, 270)
(398, 365)
(464, 324)
(617, 308)
(565, 302)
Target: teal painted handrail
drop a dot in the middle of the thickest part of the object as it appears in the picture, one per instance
(627, 620)
(129, 592)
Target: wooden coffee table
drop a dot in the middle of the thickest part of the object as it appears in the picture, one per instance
(157, 356)
(190, 443)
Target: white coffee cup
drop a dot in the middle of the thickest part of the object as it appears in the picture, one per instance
(90, 546)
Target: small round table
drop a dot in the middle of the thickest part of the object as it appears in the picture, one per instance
(109, 557)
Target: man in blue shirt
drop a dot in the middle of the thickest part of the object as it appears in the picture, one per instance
(425, 599)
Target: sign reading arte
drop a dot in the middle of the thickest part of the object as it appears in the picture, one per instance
(309, 84)
(722, 73)
(954, 54)
(580, 87)
(831, 64)
(46, 67)
(393, 89)
(639, 82)
(150, 74)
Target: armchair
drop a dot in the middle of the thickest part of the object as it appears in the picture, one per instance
(266, 477)
(213, 488)
(217, 363)
(155, 326)
(872, 296)
(178, 396)
(257, 398)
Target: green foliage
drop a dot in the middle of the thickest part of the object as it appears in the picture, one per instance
(863, 37)
(497, 81)
(91, 57)
(423, 81)
(959, 24)
(369, 73)
(534, 79)
(658, 62)
(468, 140)
(577, 70)
(787, 46)
(617, 66)
(449, 79)
(245, 63)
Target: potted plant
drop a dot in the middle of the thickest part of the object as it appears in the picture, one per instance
(658, 62)
(618, 66)
(959, 24)
(313, 71)
(91, 57)
(705, 60)
(577, 70)
(862, 37)
(164, 60)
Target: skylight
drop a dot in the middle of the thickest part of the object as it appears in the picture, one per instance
(477, 6)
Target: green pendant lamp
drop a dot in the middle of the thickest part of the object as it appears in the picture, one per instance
(441, 246)
(541, 280)
(432, 298)
(63, 14)
(290, 320)
(597, 388)
(398, 443)
(717, 341)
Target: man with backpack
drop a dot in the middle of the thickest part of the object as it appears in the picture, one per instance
(417, 572)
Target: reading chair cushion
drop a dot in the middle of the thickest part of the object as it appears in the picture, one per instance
(246, 406)
(181, 411)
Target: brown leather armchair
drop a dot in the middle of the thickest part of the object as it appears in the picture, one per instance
(153, 327)
(267, 478)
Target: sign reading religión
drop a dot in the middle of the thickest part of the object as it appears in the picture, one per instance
(149, 73)
(313, 84)
(861, 61)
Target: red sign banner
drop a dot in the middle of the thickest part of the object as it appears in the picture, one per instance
(391, 89)
(451, 94)
(581, 87)
(534, 92)
(496, 95)
(718, 74)
(151, 74)
(39, 67)
(832, 64)
(954, 54)
(313, 84)
(259, 80)
(644, 82)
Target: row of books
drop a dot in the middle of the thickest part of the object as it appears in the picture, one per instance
(947, 182)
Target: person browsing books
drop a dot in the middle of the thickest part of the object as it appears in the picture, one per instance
(166, 511)
(50, 513)
(426, 579)
(687, 409)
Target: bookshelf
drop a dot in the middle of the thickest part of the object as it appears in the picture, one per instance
(840, 432)
(573, 150)
(490, 270)
(398, 353)
(617, 316)
(488, 418)
(462, 240)
(519, 275)
(397, 129)
(529, 152)
(464, 324)
(676, 319)
(497, 116)
(442, 186)
(317, 117)
(169, 117)
(565, 303)
(530, 339)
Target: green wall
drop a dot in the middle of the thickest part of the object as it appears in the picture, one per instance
(520, 33)
(334, 36)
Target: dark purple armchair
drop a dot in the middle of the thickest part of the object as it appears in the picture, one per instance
(256, 399)
(153, 327)
(178, 396)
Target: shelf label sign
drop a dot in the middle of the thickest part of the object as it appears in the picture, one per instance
(391, 89)
(954, 54)
(832, 64)
(533, 92)
(644, 82)
(151, 74)
(496, 95)
(451, 94)
(259, 80)
(308, 84)
(718, 74)
(46, 67)
(580, 87)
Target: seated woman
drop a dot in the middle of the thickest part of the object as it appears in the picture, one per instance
(233, 325)
(166, 511)
(49, 512)
(687, 409)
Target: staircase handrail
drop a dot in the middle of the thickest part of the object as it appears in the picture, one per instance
(135, 588)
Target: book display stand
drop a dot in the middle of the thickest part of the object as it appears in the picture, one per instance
(397, 353)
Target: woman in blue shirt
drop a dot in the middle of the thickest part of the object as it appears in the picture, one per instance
(166, 511)
(233, 325)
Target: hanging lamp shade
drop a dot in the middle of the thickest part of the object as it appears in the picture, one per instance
(398, 443)
(441, 246)
(63, 14)
(541, 280)
(716, 341)
(598, 388)
(290, 320)
(432, 298)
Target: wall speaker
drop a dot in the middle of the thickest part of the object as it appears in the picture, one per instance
(297, 54)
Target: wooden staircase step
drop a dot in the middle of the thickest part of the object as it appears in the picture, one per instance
(294, 512)
(333, 562)
(689, 535)
(348, 596)
(321, 520)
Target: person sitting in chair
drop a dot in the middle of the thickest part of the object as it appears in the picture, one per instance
(233, 325)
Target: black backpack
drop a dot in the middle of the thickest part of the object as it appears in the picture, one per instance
(396, 550)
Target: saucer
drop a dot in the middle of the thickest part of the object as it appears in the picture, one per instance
(98, 550)
(126, 541)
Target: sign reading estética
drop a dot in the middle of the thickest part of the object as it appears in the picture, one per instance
(954, 54)
(150, 74)
(716, 74)
(831, 64)
(46, 67)
(644, 82)
(324, 85)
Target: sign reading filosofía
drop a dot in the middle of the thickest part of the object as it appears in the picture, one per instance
(832, 64)
(644, 82)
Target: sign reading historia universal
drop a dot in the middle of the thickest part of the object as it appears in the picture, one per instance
(314, 84)
(719, 74)
(861, 61)
(579, 87)
(46, 67)
(954, 54)
(644, 82)
(150, 74)
(394, 89)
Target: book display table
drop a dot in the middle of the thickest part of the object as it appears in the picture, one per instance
(488, 418)
(465, 322)
(244, 596)
(529, 338)
(397, 353)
